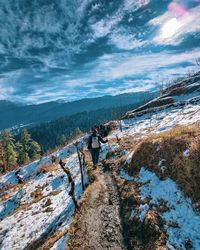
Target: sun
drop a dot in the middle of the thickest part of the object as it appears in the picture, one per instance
(170, 28)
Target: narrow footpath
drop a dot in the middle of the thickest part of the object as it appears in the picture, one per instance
(97, 223)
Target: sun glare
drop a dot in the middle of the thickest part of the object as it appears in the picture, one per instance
(170, 28)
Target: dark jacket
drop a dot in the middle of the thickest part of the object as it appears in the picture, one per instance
(100, 139)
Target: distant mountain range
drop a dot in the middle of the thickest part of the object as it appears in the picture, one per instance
(16, 115)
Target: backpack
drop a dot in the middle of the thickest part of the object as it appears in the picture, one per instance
(95, 142)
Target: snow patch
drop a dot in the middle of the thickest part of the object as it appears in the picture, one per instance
(161, 165)
(129, 157)
(181, 211)
(186, 153)
(143, 209)
(125, 175)
(61, 244)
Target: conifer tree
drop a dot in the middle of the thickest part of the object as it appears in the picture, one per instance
(10, 155)
(23, 147)
(21, 155)
(77, 132)
(62, 140)
(28, 149)
(34, 150)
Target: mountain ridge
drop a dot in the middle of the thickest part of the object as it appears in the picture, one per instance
(15, 114)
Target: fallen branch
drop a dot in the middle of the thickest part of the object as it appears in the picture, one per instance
(71, 181)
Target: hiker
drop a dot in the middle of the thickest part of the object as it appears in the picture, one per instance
(95, 128)
(103, 131)
(94, 145)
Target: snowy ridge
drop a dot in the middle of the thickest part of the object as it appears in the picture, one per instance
(181, 94)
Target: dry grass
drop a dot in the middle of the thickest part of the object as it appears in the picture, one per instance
(56, 192)
(171, 146)
(46, 168)
(149, 234)
(53, 239)
(37, 194)
(7, 190)
(47, 203)
(90, 172)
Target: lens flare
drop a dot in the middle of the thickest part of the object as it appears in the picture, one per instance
(178, 10)
(170, 28)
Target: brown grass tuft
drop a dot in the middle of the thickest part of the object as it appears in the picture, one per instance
(37, 193)
(46, 168)
(171, 146)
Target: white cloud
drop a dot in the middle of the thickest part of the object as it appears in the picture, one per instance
(5, 91)
(105, 26)
(134, 4)
(126, 41)
(119, 66)
(173, 29)
(147, 63)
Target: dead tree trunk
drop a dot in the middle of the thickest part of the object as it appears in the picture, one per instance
(71, 181)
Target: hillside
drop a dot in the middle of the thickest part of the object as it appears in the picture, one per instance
(144, 195)
(184, 92)
(18, 115)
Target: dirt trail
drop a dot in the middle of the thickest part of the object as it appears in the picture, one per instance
(97, 223)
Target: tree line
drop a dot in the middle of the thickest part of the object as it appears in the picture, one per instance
(61, 131)
(18, 150)
(31, 143)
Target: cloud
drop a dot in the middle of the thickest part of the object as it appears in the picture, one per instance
(86, 49)
(126, 41)
(5, 91)
(173, 29)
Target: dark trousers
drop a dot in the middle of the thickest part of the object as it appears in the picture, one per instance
(95, 155)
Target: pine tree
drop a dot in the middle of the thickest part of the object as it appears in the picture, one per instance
(77, 132)
(21, 154)
(24, 147)
(62, 140)
(10, 155)
(34, 150)
(28, 149)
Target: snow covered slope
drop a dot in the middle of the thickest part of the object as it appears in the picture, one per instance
(30, 211)
(184, 92)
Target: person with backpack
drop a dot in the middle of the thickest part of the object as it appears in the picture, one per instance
(94, 145)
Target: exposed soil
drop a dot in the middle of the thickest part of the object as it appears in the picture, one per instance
(97, 224)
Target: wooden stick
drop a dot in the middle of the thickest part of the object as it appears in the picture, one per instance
(81, 167)
(71, 181)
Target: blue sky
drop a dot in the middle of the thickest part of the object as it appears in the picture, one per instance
(71, 49)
